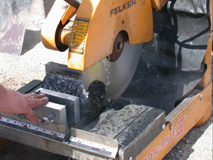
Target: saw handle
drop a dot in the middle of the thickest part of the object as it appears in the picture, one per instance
(54, 34)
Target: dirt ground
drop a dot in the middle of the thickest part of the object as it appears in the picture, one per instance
(16, 71)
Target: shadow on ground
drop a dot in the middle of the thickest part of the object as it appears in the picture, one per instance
(32, 38)
(184, 148)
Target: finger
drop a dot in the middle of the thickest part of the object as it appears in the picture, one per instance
(37, 96)
(31, 116)
(37, 102)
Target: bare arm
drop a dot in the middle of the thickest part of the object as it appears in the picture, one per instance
(12, 102)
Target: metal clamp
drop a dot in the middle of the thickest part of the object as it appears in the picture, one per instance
(49, 119)
(44, 120)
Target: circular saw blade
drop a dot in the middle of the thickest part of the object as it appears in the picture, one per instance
(115, 75)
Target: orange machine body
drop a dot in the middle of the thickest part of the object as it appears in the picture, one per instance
(96, 25)
(184, 117)
(196, 112)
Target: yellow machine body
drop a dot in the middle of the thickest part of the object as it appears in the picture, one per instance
(96, 25)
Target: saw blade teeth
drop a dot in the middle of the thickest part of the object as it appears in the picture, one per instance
(108, 83)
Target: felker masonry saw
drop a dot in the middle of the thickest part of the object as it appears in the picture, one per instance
(138, 79)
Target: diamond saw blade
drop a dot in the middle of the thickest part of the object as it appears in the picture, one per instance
(115, 75)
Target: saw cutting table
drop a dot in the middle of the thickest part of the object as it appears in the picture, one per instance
(128, 126)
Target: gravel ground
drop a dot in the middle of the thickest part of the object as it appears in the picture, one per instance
(16, 71)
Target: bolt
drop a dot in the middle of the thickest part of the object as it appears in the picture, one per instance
(120, 45)
(201, 96)
(163, 126)
(64, 6)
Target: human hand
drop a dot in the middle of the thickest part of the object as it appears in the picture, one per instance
(12, 102)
